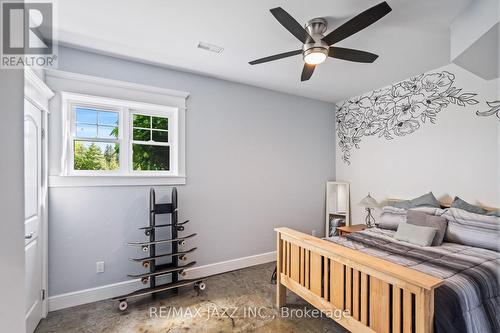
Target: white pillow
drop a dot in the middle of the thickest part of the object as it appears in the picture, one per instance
(415, 234)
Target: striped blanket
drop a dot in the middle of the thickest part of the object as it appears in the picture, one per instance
(469, 299)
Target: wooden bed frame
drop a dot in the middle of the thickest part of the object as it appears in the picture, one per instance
(380, 296)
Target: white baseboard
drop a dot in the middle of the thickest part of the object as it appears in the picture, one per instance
(230, 265)
(75, 298)
(62, 301)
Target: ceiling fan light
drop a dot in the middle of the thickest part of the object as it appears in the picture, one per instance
(315, 56)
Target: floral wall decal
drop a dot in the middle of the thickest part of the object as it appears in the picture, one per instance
(400, 109)
(494, 109)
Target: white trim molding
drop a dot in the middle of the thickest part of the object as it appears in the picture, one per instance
(85, 296)
(114, 83)
(36, 91)
(80, 297)
(230, 265)
(106, 180)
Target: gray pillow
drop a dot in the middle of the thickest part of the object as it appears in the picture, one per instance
(426, 200)
(391, 217)
(462, 204)
(430, 210)
(477, 230)
(425, 220)
(415, 234)
(405, 204)
(494, 213)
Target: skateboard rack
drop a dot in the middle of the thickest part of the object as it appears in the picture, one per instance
(154, 269)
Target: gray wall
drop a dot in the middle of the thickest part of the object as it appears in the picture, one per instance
(12, 201)
(256, 159)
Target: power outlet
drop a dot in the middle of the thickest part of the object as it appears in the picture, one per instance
(99, 267)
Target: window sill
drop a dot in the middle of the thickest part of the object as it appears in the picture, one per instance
(108, 180)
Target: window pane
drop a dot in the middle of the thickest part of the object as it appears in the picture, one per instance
(84, 115)
(87, 123)
(142, 134)
(108, 118)
(96, 155)
(147, 157)
(86, 131)
(107, 132)
(142, 121)
(160, 136)
(160, 123)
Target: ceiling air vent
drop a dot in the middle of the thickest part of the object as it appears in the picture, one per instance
(210, 47)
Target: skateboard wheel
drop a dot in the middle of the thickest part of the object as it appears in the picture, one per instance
(180, 228)
(201, 286)
(145, 248)
(145, 264)
(144, 280)
(182, 243)
(123, 305)
(182, 273)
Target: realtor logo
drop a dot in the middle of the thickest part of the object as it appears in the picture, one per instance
(28, 35)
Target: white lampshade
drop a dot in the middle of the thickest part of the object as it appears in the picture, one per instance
(368, 202)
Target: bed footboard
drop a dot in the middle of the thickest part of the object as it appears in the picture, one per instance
(375, 295)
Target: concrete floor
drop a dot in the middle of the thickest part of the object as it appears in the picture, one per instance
(239, 301)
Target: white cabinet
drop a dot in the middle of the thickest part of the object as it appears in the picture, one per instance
(337, 205)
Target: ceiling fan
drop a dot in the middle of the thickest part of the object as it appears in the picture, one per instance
(317, 47)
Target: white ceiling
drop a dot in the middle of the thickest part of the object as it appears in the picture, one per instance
(411, 39)
(482, 57)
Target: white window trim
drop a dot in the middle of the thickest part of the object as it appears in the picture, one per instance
(125, 176)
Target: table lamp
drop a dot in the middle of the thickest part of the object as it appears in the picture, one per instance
(369, 203)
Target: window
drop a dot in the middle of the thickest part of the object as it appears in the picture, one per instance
(150, 143)
(96, 145)
(110, 137)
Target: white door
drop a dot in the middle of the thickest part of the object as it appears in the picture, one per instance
(33, 214)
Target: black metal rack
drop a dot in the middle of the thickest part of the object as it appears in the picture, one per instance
(149, 262)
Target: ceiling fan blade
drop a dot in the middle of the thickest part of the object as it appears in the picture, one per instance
(307, 72)
(275, 57)
(351, 54)
(291, 24)
(357, 23)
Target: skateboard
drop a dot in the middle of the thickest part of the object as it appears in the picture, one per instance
(179, 227)
(146, 276)
(145, 245)
(198, 284)
(146, 260)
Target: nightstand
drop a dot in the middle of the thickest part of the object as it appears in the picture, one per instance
(351, 228)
